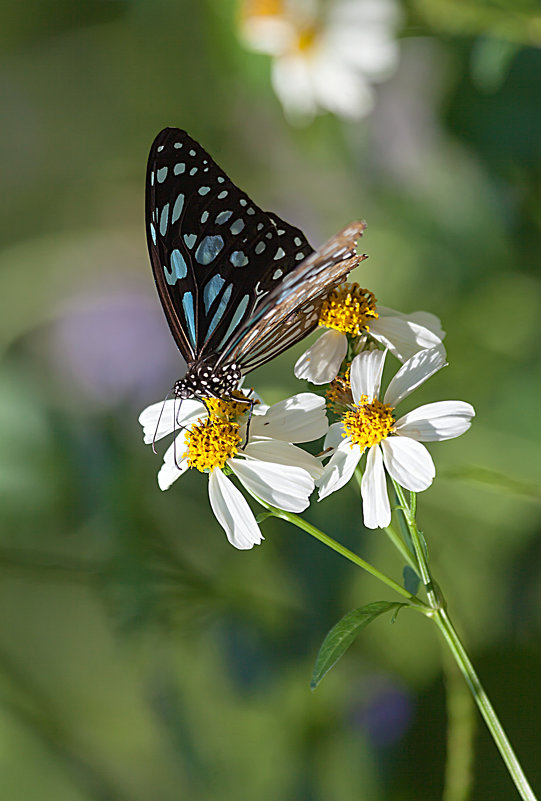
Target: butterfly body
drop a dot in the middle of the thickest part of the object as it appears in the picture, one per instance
(204, 378)
(238, 285)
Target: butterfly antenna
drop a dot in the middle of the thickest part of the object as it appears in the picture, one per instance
(158, 423)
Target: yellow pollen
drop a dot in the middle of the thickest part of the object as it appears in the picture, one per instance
(339, 394)
(348, 309)
(368, 423)
(211, 443)
(306, 38)
(264, 8)
(228, 409)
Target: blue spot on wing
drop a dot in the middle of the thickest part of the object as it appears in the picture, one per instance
(161, 174)
(211, 290)
(164, 219)
(178, 268)
(237, 226)
(177, 208)
(239, 259)
(187, 305)
(219, 313)
(208, 249)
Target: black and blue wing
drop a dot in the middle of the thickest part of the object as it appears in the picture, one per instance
(290, 311)
(215, 254)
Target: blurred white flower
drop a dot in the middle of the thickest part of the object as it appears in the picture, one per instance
(351, 310)
(392, 445)
(324, 60)
(268, 464)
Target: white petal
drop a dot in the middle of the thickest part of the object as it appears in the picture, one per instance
(339, 88)
(301, 418)
(174, 465)
(408, 462)
(232, 512)
(335, 435)
(414, 373)
(273, 450)
(436, 421)
(292, 83)
(426, 319)
(376, 507)
(267, 34)
(321, 363)
(403, 337)
(158, 420)
(339, 468)
(284, 486)
(366, 371)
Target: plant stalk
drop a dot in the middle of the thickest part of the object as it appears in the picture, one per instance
(442, 620)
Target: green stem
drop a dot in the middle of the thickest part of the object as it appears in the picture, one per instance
(422, 563)
(398, 543)
(485, 707)
(442, 620)
(461, 725)
(304, 525)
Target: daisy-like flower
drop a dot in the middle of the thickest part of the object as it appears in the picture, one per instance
(392, 445)
(268, 464)
(324, 62)
(351, 311)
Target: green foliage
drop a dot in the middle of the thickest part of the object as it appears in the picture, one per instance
(344, 633)
(140, 655)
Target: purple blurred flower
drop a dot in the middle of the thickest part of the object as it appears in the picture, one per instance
(115, 347)
(384, 712)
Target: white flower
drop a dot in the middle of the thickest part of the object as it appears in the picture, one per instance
(268, 465)
(349, 309)
(327, 63)
(393, 445)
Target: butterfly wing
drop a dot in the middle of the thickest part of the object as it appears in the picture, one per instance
(290, 311)
(215, 254)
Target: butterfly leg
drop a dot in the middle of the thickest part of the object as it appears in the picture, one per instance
(246, 438)
(180, 427)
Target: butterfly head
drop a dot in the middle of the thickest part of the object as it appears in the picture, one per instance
(205, 378)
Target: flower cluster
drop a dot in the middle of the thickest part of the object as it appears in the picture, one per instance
(324, 61)
(242, 438)
(213, 436)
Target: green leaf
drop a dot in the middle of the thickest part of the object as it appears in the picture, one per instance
(344, 633)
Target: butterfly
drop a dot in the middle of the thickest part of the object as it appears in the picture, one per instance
(238, 285)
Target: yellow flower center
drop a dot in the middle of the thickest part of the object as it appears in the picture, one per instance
(264, 8)
(228, 409)
(348, 309)
(211, 443)
(306, 38)
(368, 423)
(339, 394)
(277, 26)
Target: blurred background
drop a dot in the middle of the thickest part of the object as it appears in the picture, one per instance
(141, 656)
